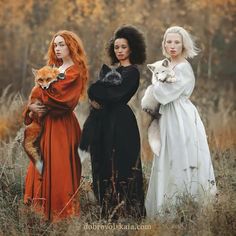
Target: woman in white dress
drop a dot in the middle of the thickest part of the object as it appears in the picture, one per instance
(184, 164)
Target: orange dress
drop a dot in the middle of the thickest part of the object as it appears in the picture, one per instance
(55, 193)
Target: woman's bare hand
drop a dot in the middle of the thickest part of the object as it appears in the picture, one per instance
(38, 108)
(94, 104)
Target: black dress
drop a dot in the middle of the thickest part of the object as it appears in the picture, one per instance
(114, 145)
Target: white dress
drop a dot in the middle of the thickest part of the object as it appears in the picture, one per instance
(184, 165)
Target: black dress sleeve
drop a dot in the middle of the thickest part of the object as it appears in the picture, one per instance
(106, 94)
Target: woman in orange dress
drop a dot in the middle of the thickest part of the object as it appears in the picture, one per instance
(55, 192)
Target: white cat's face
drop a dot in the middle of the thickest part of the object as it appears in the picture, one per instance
(160, 70)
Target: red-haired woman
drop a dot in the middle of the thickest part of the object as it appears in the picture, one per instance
(55, 192)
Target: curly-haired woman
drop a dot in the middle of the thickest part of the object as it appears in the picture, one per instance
(55, 192)
(113, 136)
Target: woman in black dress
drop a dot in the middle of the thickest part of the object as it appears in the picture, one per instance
(111, 133)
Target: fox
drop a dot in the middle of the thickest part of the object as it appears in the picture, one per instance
(161, 72)
(43, 78)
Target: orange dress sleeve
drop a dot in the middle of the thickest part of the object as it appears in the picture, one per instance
(36, 93)
(63, 95)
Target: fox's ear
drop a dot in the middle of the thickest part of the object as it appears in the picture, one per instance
(34, 71)
(151, 67)
(166, 62)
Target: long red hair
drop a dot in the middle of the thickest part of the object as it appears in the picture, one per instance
(77, 54)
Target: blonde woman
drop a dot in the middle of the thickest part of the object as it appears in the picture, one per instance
(184, 164)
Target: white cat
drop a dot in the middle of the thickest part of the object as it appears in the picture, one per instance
(161, 72)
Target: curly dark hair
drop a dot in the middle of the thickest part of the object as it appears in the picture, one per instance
(136, 43)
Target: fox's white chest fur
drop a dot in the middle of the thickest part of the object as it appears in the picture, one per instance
(161, 72)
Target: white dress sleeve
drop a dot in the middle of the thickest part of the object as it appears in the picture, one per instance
(168, 92)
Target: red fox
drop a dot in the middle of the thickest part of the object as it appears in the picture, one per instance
(43, 78)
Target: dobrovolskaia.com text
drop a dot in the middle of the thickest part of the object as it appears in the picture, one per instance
(118, 226)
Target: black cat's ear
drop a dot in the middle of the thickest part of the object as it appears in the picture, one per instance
(166, 63)
(53, 66)
(104, 70)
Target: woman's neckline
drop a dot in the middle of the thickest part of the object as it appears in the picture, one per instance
(67, 68)
(182, 62)
(125, 66)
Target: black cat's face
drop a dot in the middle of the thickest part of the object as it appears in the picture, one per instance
(109, 75)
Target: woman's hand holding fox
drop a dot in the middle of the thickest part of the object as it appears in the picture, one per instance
(38, 108)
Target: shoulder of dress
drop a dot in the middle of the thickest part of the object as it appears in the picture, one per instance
(73, 70)
(36, 91)
(184, 70)
(183, 67)
(132, 69)
(36, 88)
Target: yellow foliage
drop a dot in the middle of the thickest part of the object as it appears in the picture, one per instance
(13, 12)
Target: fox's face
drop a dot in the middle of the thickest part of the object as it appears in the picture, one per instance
(45, 76)
(160, 70)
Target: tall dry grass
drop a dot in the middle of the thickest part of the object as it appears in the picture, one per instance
(216, 105)
(11, 107)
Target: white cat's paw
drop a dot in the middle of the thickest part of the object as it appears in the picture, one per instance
(171, 80)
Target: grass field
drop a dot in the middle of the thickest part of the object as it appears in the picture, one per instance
(216, 104)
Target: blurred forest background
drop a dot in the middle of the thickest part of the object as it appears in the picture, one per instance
(26, 28)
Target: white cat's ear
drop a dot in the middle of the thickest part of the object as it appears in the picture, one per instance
(151, 67)
(166, 62)
(34, 71)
